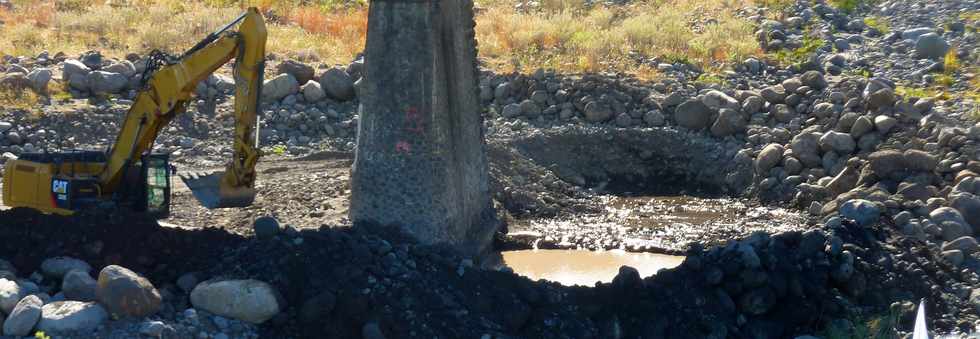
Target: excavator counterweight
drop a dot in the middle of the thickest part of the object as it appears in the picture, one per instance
(129, 173)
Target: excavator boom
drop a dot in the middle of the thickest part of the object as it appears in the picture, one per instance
(167, 93)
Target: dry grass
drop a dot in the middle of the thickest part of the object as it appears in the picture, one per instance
(22, 100)
(564, 35)
(138, 26)
(615, 39)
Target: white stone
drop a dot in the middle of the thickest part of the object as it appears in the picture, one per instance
(247, 300)
(71, 316)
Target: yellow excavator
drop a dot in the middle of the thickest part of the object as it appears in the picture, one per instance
(129, 175)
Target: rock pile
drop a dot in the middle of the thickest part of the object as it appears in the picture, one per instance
(62, 299)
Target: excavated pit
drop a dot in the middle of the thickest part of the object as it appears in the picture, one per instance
(647, 190)
(337, 279)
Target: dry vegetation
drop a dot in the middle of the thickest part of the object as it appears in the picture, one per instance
(562, 35)
(117, 28)
(569, 38)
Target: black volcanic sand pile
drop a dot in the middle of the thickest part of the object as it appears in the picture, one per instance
(105, 238)
(337, 281)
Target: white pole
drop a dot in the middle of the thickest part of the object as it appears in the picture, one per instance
(921, 331)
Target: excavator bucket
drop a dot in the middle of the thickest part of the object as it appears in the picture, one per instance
(209, 191)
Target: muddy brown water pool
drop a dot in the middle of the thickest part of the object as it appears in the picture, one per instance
(592, 247)
(583, 267)
(664, 224)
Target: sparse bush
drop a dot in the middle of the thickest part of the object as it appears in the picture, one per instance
(920, 92)
(877, 23)
(810, 45)
(944, 80)
(709, 79)
(18, 99)
(951, 62)
(846, 6)
(278, 149)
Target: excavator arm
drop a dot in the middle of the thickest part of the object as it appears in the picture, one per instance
(166, 94)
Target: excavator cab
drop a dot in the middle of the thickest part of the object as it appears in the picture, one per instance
(147, 186)
(155, 174)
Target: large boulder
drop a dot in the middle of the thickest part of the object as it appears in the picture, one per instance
(102, 82)
(511, 111)
(597, 112)
(693, 114)
(753, 104)
(125, 293)
(266, 227)
(39, 79)
(946, 214)
(842, 143)
(312, 91)
(884, 97)
(72, 67)
(863, 212)
(823, 110)
(875, 84)
(302, 72)
(814, 80)
(931, 46)
(920, 161)
(279, 87)
(717, 100)
(771, 155)
(774, 94)
(729, 122)
(969, 207)
(884, 163)
(71, 316)
(124, 67)
(79, 285)
(967, 244)
(92, 59)
(806, 147)
(784, 113)
(338, 84)
(10, 293)
(24, 316)
(951, 230)
(884, 124)
(861, 126)
(57, 267)
(79, 82)
(247, 300)
(915, 33)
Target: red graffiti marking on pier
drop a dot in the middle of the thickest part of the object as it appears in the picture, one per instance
(403, 147)
(413, 121)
